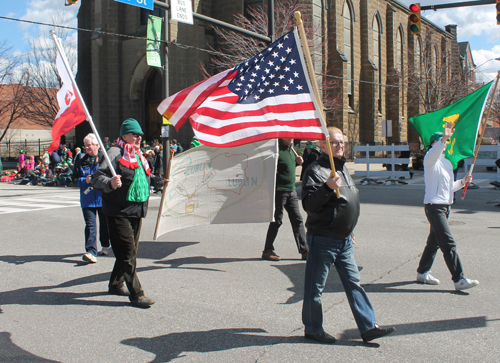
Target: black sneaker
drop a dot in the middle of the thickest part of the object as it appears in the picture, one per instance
(322, 337)
(142, 302)
(376, 333)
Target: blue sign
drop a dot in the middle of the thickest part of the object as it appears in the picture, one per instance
(146, 4)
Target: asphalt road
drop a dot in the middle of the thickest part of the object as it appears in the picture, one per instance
(217, 301)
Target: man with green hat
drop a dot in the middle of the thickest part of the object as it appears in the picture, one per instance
(125, 202)
(439, 189)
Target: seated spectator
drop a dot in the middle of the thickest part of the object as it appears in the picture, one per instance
(65, 176)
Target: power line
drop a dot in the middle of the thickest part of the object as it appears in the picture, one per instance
(184, 46)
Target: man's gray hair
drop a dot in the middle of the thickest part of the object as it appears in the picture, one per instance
(92, 138)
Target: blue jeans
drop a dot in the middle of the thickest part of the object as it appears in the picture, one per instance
(323, 252)
(90, 216)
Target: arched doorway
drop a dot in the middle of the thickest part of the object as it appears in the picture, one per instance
(153, 95)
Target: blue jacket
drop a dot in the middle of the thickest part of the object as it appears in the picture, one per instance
(85, 166)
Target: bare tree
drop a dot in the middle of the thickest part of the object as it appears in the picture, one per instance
(44, 78)
(234, 47)
(435, 79)
(12, 90)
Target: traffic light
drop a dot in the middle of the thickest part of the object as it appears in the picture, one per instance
(415, 18)
(498, 12)
(71, 2)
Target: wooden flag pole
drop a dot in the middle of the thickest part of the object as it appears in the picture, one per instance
(300, 26)
(482, 133)
(165, 183)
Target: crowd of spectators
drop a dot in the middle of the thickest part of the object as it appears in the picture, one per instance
(57, 168)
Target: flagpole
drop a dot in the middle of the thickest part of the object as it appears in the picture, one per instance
(482, 134)
(78, 94)
(165, 182)
(300, 25)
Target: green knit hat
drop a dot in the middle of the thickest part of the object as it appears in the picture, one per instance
(130, 125)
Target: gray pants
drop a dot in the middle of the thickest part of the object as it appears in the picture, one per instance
(440, 238)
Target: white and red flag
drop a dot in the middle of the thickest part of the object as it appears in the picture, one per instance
(71, 111)
(268, 96)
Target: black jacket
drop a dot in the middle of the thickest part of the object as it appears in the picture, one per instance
(327, 215)
(114, 201)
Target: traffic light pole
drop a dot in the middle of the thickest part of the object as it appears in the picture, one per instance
(456, 5)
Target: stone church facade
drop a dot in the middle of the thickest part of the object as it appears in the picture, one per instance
(369, 46)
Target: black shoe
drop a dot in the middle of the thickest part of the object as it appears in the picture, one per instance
(376, 333)
(120, 290)
(322, 337)
(142, 302)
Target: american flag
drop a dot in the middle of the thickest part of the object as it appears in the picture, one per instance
(265, 97)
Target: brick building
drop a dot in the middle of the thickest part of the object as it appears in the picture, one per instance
(368, 43)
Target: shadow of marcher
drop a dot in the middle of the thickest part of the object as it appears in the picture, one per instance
(171, 346)
(427, 327)
(9, 352)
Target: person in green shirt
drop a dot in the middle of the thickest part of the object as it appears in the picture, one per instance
(286, 199)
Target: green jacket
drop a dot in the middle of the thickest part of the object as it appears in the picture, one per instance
(285, 174)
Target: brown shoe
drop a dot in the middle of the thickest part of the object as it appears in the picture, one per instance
(304, 256)
(270, 255)
(142, 302)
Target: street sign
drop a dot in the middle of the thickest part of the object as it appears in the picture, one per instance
(146, 4)
(182, 11)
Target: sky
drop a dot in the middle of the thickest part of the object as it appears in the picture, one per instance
(476, 24)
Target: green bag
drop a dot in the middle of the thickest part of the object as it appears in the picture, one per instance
(139, 189)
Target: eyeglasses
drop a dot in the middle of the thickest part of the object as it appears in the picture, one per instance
(337, 143)
(135, 134)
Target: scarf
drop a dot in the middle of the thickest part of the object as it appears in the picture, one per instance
(129, 158)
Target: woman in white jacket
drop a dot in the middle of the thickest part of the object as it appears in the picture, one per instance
(439, 188)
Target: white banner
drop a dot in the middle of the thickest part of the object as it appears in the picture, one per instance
(219, 186)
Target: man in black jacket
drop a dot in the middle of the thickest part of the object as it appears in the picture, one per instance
(330, 224)
(125, 202)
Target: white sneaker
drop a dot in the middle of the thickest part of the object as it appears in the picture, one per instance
(465, 283)
(88, 257)
(427, 278)
(104, 251)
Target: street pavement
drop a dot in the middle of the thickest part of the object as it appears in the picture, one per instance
(218, 301)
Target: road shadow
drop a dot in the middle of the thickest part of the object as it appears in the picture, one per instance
(10, 352)
(174, 345)
(398, 288)
(147, 250)
(201, 260)
(41, 295)
(426, 327)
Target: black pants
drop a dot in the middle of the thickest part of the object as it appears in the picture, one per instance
(290, 202)
(124, 236)
(440, 238)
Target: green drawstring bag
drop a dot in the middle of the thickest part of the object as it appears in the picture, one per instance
(139, 189)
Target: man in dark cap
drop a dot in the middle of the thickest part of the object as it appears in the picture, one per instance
(439, 189)
(125, 203)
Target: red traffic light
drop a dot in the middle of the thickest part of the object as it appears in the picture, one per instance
(415, 21)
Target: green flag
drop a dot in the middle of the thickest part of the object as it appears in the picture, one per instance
(153, 52)
(465, 114)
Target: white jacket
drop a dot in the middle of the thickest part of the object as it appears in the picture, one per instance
(438, 175)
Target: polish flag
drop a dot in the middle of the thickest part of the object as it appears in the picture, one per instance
(71, 111)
